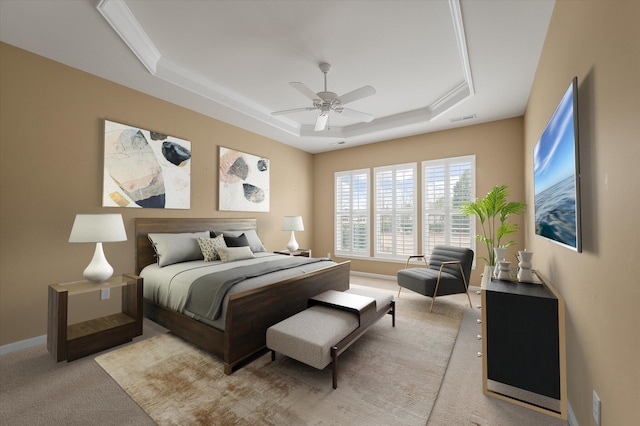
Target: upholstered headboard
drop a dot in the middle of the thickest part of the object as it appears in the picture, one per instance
(145, 255)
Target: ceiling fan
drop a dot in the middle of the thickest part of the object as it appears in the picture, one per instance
(327, 101)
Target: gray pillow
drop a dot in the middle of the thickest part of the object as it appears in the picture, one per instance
(176, 248)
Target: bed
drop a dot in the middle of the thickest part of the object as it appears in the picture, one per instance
(248, 313)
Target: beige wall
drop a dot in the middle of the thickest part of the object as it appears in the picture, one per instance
(599, 42)
(51, 162)
(498, 147)
(51, 168)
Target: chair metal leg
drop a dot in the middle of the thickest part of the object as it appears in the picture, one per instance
(466, 286)
(435, 292)
(469, 299)
(464, 279)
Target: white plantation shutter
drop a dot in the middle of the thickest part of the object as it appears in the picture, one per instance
(352, 213)
(447, 183)
(395, 211)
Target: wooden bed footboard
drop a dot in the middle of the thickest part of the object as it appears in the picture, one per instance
(250, 313)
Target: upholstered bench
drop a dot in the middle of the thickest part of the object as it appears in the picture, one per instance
(333, 321)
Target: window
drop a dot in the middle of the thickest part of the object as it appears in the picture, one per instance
(447, 183)
(395, 211)
(352, 213)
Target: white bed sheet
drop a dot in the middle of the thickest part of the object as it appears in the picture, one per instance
(169, 286)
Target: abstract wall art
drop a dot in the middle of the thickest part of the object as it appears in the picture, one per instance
(145, 169)
(244, 182)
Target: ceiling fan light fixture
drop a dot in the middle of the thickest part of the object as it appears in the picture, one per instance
(327, 101)
(321, 122)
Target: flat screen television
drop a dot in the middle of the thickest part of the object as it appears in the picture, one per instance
(556, 177)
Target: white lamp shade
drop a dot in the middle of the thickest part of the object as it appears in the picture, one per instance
(97, 228)
(292, 223)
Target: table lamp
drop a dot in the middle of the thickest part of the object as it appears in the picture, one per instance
(292, 223)
(98, 228)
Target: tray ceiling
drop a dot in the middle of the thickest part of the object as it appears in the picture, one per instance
(434, 64)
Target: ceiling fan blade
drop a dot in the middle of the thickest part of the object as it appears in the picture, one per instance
(357, 94)
(321, 122)
(302, 88)
(289, 111)
(362, 116)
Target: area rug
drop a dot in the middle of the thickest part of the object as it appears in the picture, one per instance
(389, 376)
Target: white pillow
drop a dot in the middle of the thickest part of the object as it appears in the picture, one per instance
(229, 254)
(210, 247)
(176, 248)
(252, 237)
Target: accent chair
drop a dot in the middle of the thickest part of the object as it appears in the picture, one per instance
(447, 272)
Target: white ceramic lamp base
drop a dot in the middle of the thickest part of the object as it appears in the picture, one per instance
(99, 270)
(293, 244)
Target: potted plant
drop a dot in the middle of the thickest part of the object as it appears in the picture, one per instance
(493, 212)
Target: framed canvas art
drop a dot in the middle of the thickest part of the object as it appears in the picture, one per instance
(244, 182)
(145, 169)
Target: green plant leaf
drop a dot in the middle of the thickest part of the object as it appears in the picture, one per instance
(493, 211)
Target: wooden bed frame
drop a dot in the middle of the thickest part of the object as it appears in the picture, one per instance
(249, 313)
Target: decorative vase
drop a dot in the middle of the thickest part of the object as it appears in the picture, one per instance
(524, 266)
(499, 253)
(505, 270)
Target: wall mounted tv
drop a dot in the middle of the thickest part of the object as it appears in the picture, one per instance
(557, 175)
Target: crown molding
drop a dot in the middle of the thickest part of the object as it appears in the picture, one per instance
(125, 24)
(461, 39)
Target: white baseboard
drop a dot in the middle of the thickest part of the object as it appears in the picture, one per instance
(23, 344)
(571, 417)
(379, 276)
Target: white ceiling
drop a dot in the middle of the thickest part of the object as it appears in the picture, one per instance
(431, 61)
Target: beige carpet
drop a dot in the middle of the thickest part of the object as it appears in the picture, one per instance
(389, 376)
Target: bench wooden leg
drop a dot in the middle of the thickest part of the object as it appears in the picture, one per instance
(334, 365)
(273, 355)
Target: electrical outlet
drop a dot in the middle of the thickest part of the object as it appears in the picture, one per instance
(329, 255)
(105, 294)
(596, 408)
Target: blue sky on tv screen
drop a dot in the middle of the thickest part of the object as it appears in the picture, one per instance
(554, 155)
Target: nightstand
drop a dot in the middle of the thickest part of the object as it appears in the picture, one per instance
(77, 340)
(299, 252)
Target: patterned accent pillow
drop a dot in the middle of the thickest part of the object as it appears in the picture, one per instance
(210, 246)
